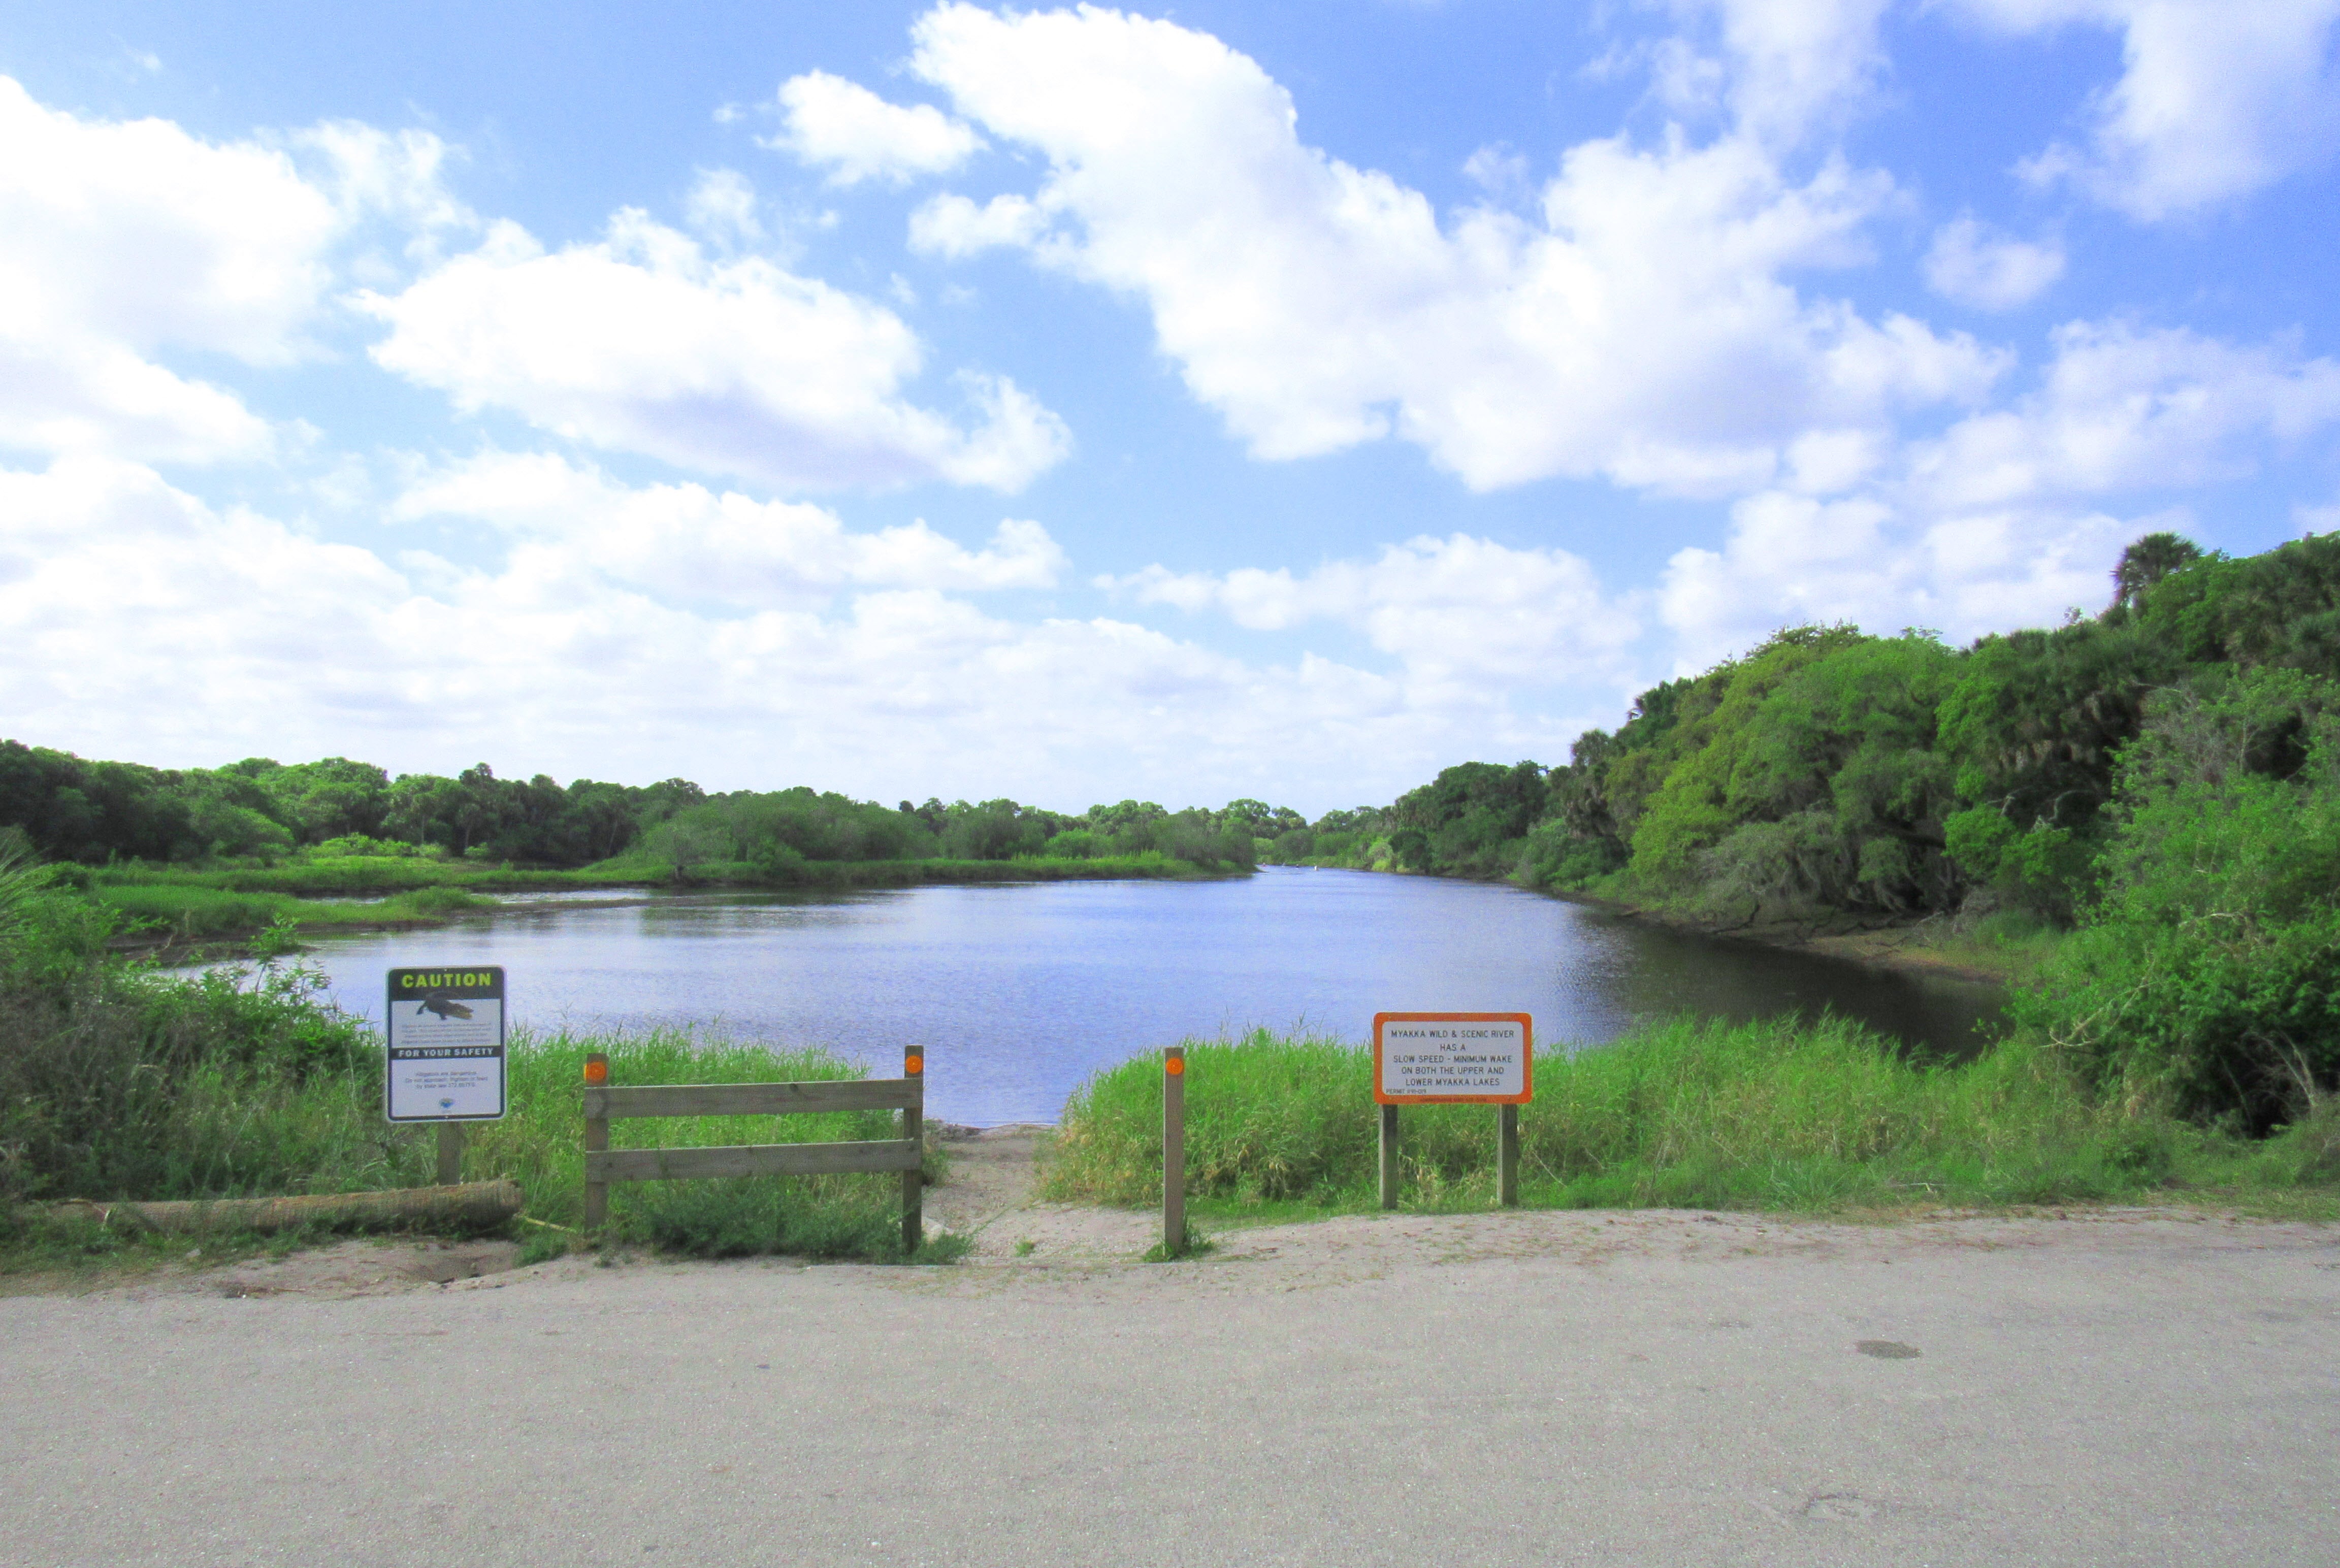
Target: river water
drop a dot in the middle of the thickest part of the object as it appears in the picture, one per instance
(1018, 993)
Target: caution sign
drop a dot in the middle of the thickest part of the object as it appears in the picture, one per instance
(445, 1029)
(1452, 1058)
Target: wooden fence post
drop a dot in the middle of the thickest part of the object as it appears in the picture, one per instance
(1389, 1156)
(1173, 1151)
(597, 1141)
(1507, 1155)
(914, 1127)
(450, 1153)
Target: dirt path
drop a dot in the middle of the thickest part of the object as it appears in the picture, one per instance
(990, 1197)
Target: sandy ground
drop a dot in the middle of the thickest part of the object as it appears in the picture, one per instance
(2112, 1387)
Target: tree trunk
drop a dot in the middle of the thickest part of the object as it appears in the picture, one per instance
(473, 1205)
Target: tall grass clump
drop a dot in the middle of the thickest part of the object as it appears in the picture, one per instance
(541, 1145)
(1780, 1114)
(119, 1083)
(130, 1111)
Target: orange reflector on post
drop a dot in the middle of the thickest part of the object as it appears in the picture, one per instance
(1173, 1066)
(596, 1070)
(914, 1063)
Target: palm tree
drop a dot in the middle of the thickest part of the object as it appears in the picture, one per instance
(2147, 562)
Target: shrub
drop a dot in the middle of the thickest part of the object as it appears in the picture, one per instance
(2206, 978)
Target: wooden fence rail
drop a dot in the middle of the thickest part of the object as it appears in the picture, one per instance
(606, 1102)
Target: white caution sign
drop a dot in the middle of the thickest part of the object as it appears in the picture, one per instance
(445, 1031)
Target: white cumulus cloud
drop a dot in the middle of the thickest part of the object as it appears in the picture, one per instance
(143, 623)
(1779, 69)
(686, 544)
(1459, 610)
(1792, 560)
(124, 244)
(2123, 408)
(722, 207)
(1974, 263)
(121, 240)
(855, 135)
(2214, 101)
(641, 341)
(2002, 521)
(1640, 328)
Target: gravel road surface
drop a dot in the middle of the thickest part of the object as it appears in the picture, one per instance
(1522, 1388)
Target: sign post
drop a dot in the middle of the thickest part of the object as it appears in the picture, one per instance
(444, 1029)
(1174, 1150)
(914, 1130)
(1455, 1059)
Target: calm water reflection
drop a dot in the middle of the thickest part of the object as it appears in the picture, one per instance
(1020, 992)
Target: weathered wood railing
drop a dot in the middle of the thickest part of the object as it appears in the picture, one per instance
(606, 1102)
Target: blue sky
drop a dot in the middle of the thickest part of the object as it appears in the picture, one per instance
(1284, 400)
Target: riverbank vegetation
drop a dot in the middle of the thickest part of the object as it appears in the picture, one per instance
(2135, 815)
(338, 826)
(195, 855)
(117, 1082)
(1784, 1114)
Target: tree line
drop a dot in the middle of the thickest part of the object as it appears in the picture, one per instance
(70, 809)
(2160, 780)
(1829, 772)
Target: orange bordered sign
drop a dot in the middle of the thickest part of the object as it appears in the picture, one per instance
(1453, 1059)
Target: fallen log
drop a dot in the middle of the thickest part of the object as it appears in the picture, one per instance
(470, 1206)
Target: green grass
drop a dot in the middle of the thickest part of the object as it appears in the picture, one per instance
(1784, 1115)
(345, 875)
(541, 1145)
(190, 910)
(219, 904)
(822, 874)
(250, 1129)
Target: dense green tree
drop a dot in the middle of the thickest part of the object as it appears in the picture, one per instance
(1259, 818)
(333, 797)
(2147, 562)
(1469, 819)
(1715, 775)
(2207, 977)
(2280, 609)
(70, 809)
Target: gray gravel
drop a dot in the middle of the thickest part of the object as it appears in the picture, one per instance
(1497, 1389)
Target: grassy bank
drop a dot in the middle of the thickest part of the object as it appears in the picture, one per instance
(362, 876)
(234, 903)
(342, 877)
(235, 1086)
(1152, 865)
(1812, 1118)
(2011, 947)
(187, 911)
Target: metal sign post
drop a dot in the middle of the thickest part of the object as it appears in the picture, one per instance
(1455, 1059)
(444, 1030)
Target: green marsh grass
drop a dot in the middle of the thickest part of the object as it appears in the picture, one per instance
(225, 903)
(340, 876)
(191, 911)
(164, 1112)
(742, 874)
(541, 1145)
(1785, 1115)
